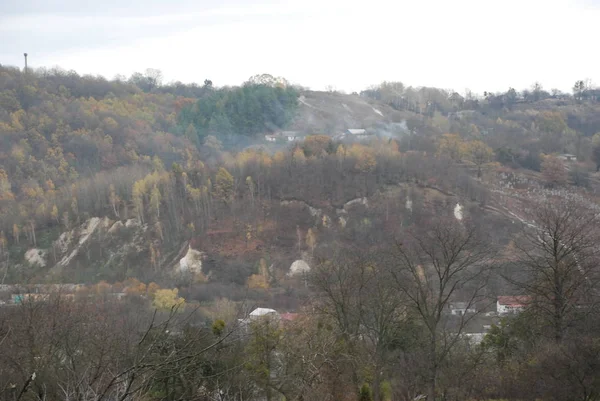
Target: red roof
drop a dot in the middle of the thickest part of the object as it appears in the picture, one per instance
(288, 316)
(518, 300)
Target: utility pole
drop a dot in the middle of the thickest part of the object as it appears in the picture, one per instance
(25, 54)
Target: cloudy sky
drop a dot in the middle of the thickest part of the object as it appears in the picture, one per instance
(348, 44)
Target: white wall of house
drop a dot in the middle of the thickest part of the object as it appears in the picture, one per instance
(461, 312)
(506, 309)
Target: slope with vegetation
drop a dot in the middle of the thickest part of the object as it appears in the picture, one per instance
(455, 199)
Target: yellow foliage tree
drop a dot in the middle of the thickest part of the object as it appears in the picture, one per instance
(114, 200)
(248, 234)
(16, 119)
(5, 187)
(340, 154)
(137, 196)
(16, 233)
(260, 280)
(155, 199)
(135, 287)
(102, 287)
(311, 240)
(257, 281)
(551, 122)
(479, 153)
(365, 162)
(251, 188)
(223, 188)
(452, 146)
(316, 145)
(263, 270)
(166, 299)
(54, 213)
(157, 164)
(298, 156)
(152, 288)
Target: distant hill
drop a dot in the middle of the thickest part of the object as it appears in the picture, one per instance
(164, 167)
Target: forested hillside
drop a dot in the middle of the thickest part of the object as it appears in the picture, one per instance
(391, 247)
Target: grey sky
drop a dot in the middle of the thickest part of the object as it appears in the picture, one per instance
(348, 44)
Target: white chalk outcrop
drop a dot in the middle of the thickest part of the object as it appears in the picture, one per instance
(299, 267)
(191, 262)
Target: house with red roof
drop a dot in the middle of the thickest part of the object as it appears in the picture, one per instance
(289, 317)
(511, 304)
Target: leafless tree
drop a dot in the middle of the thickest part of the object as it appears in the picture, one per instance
(558, 260)
(106, 350)
(356, 291)
(444, 262)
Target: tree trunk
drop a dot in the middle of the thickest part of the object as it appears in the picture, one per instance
(432, 384)
(431, 388)
(376, 384)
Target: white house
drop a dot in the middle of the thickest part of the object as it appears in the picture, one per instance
(292, 136)
(568, 157)
(258, 315)
(461, 308)
(474, 338)
(263, 312)
(511, 304)
(358, 133)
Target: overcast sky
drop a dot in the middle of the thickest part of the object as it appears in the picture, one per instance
(348, 44)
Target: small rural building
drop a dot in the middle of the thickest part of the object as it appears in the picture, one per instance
(358, 133)
(474, 338)
(461, 308)
(568, 157)
(263, 312)
(259, 314)
(292, 136)
(289, 136)
(289, 317)
(511, 304)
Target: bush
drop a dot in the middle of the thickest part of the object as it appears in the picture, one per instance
(365, 393)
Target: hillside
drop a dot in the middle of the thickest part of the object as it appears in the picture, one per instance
(170, 241)
(103, 180)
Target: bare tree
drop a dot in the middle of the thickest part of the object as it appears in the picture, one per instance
(94, 350)
(445, 262)
(356, 292)
(558, 258)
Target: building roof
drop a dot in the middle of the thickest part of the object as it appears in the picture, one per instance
(289, 316)
(460, 305)
(262, 312)
(356, 131)
(517, 300)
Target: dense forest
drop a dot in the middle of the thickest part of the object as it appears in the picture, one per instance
(143, 223)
